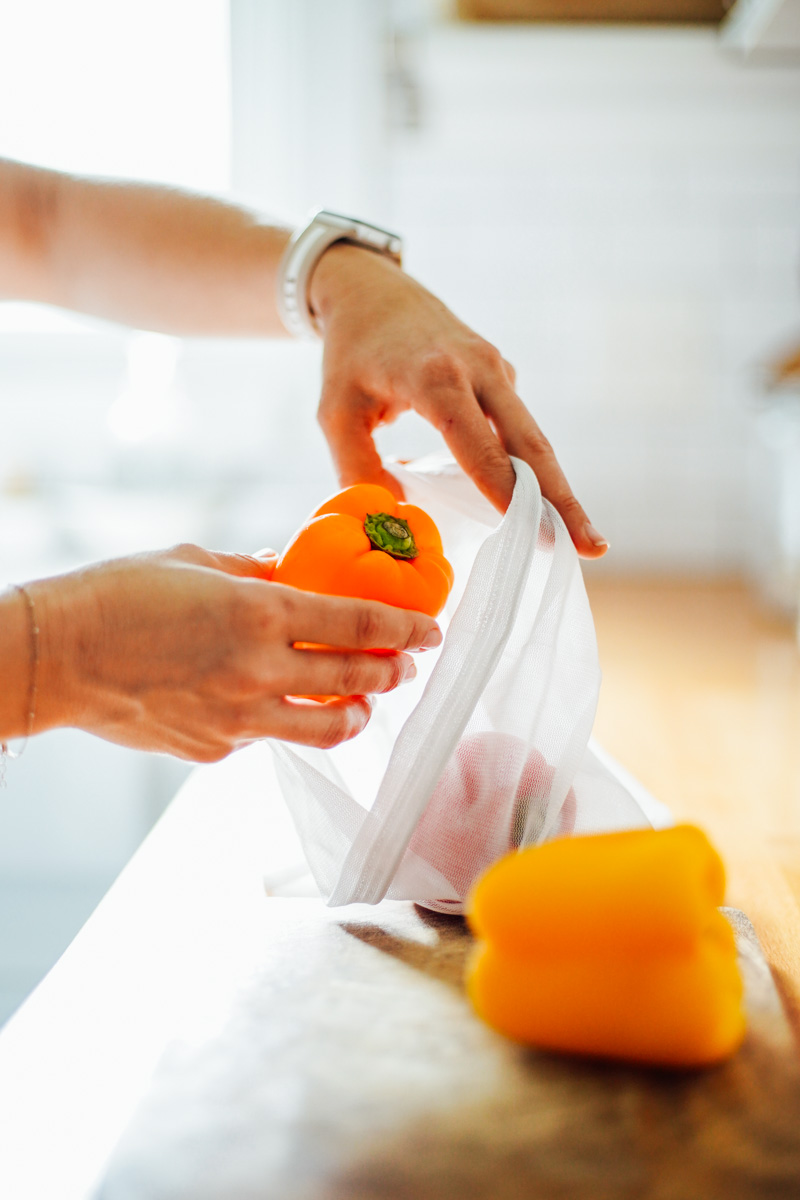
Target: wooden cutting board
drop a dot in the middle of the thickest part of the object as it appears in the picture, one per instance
(350, 1067)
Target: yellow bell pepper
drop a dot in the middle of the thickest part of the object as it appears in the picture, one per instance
(610, 945)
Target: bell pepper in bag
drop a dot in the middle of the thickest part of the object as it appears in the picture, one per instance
(610, 945)
(365, 543)
(491, 788)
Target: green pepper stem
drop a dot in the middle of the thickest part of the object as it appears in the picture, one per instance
(390, 534)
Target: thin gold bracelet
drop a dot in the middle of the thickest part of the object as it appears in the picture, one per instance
(33, 641)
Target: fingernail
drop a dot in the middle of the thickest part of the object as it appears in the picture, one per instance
(409, 670)
(433, 638)
(593, 535)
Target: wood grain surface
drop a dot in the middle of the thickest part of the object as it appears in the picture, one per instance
(353, 1067)
(701, 701)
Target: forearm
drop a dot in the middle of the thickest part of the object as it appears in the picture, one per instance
(151, 257)
(160, 259)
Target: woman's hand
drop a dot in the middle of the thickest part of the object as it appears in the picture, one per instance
(391, 346)
(192, 653)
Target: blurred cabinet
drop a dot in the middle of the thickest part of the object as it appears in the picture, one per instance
(683, 11)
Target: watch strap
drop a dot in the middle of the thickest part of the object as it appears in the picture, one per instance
(304, 251)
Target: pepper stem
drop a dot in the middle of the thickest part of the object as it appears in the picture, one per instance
(390, 534)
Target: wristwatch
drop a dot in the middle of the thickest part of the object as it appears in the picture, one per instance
(307, 247)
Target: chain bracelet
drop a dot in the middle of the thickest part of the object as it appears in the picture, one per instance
(33, 642)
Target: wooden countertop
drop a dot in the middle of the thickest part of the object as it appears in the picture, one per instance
(701, 701)
(201, 1040)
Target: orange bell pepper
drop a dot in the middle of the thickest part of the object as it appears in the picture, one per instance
(610, 945)
(365, 543)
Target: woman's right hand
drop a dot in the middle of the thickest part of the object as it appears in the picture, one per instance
(192, 653)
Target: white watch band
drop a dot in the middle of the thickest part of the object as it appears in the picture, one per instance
(305, 250)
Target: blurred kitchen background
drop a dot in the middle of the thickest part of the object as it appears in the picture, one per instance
(614, 200)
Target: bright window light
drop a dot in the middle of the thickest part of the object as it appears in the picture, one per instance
(131, 90)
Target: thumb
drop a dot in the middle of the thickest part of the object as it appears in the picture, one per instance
(260, 565)
(347, 419)
(357, 461)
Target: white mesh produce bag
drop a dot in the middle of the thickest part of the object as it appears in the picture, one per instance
(488, 749)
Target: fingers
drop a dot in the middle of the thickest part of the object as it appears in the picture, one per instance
(259, 566)
(348, 421)
(251, 566)
(276, 706)
(291, 719)
(464, 427)
(522, 437)
(344, 673)
(322, 725)
(356, 624)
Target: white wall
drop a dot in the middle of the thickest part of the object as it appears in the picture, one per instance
(619, 210)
